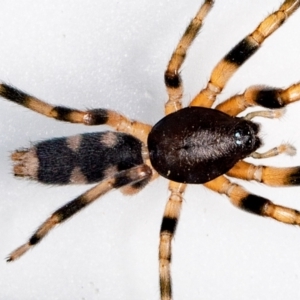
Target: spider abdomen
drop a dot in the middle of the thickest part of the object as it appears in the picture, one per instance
(196, 144)
(79, 159)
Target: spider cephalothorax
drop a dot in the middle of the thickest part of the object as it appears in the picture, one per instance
(185, 143)
(197, 144)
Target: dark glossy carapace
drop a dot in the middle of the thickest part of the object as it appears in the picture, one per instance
(196, 144)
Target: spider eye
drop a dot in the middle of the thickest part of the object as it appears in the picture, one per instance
(242, 136)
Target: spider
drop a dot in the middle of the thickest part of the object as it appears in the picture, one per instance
(192, 145)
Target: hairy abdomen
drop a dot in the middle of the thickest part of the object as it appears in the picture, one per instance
(79, 159)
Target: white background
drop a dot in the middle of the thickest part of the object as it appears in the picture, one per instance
(112, 54)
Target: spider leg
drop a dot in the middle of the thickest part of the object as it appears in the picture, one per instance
(90, 117)
(271, 114)
(283, 148)
(172, 75)
(241, 52)
(167, 231)
(133, 176)
(252, 203)
(268, 97)
(268, 175)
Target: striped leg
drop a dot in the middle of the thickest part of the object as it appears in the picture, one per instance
(241, 52)
(252, 203)
(268, 175)
(172, 77)
(268, 97)
(91, 117)
(167, 231)
(127, 177)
